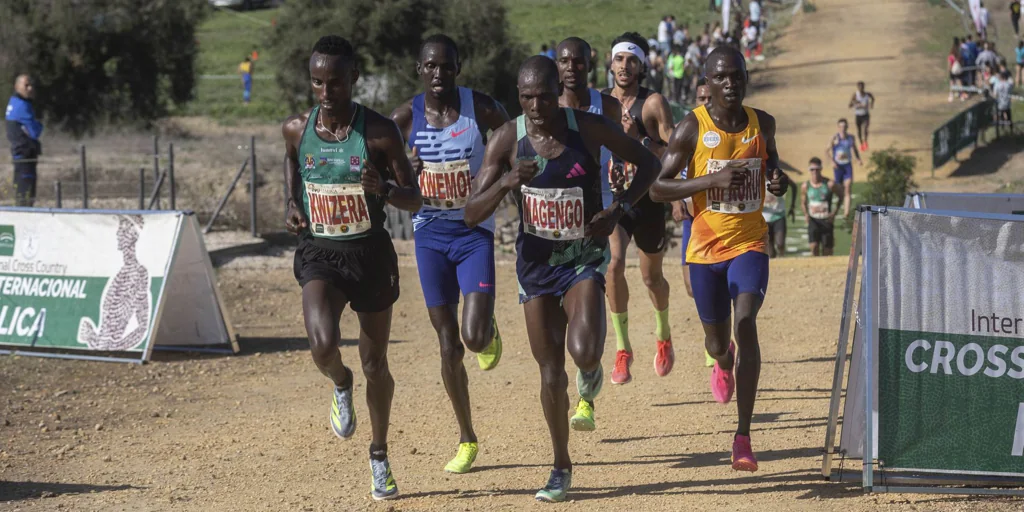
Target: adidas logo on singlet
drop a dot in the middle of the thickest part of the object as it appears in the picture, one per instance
(576, 171)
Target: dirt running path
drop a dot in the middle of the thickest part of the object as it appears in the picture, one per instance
(824, 54)
(250, 432)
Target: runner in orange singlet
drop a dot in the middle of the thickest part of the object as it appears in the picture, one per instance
(730, 149)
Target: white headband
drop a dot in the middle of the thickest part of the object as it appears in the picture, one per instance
(627, 47)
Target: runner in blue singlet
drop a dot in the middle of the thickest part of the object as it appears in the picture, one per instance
(549, 159)
(445, 126)
(842, 148)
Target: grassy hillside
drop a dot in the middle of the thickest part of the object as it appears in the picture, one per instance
(227, 36)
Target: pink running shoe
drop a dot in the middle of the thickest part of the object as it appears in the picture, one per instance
(664, 358)
(620, 373)
(722, 382)
(742, 455)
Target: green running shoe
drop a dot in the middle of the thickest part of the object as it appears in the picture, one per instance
(557, 487)
(489, 357)
(463, 460)
(583, 420)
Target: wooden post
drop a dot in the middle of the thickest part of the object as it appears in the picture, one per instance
(85, 179)
(56, 192)
(156, 167)
(252, 184)
(142, 188)
(170, 172)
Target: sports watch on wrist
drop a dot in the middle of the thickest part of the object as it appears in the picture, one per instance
(624, 208)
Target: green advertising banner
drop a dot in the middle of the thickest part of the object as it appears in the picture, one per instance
(107, 285)
(952, 402)
(960, 132)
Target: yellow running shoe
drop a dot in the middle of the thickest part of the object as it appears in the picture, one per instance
(463, 460)
(708, 360)
(488, 358)
(583, 420)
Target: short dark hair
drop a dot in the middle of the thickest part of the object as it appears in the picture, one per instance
(443, 40)
(815, 161)
(842, 120)
(577, 40)
(702, 81)
(543, 47)
(860, 84)
(335, 46)
(635, 38)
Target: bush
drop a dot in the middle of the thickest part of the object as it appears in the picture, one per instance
(101, 60)
(387, 35)
(891, 178)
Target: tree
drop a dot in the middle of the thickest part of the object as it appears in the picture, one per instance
(100, 61)
(891, 178)
(387, 35)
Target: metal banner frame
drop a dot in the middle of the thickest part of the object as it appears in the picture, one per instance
(865, 243)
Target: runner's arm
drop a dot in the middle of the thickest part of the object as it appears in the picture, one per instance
(488, 188)
(856, 153)
(611, 136)
(871, 98)
(295, 218)
(772, 165)
(669, 187)
(803, 199)
(384, 138)
(657, 120)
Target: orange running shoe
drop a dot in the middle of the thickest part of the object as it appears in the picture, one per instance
(664, 358)
(620, 374)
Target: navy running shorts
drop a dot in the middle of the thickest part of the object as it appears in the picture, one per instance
(716, 286)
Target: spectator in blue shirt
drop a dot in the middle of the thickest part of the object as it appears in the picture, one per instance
(23, 131)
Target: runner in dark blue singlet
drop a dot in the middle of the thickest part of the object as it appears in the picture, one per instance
(548, 158)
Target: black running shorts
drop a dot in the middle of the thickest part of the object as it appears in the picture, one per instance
(821, 232)
(646, 225)
(364, 270)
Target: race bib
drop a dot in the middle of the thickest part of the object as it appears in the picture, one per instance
(337, 209)
(842, 156)
(743, 200)
(553, 213)
(817, 209)
(445, 185)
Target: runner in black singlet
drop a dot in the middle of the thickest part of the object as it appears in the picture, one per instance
(647, 117)
(548, 158)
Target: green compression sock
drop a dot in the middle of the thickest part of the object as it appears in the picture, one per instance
(662, 331)
(620, 322)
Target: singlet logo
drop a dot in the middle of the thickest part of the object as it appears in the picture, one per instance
(309, 161)
(711, 139)
(353, 164)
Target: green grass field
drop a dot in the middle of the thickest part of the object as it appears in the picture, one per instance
(226, 37)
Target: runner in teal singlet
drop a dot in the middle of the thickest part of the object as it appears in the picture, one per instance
(548, 158)
(344, 163)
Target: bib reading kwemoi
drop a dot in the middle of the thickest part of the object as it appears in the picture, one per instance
(337, 209)
(446, 185)
(553, 213)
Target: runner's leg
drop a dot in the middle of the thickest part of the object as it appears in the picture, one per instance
(545, 328)
(618, 288)
(453, 371)
(584, 309)
(847, 187)
(748, 358)
(322, 304)
(374, 334)
(618, 299)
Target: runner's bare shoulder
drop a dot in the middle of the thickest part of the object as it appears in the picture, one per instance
(402, 116)
(293, 127)
(380, 131)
